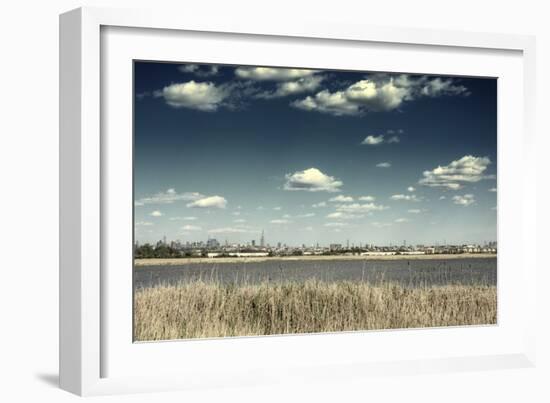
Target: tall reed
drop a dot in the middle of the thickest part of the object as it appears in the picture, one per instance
(214, 309)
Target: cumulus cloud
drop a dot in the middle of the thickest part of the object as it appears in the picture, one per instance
(385, 164)
(144, 223)
(199, 70)
(400, 220)
(230, 230)
(493, 190)
(209, 202)
(326, 102)
(312, 180)
(394, 139)
(168, 197)
(239, 220)
(336, 224)
(468, 169)
(378, 93)
(191, 228)
(278, 208)
(411, 189)
(414, 211)
(156, 213)
(301, 85)
(319, 205)
(381, 224)
(341, 199)
(339, 215)
(464, 200)
(367, 198)
(306, 215)
(188, 218)
(202, 96)
(358, 208)
(280, 221)
(272, 73)
(405, 197)
(373, 140)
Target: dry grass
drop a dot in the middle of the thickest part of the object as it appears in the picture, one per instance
(211, 309)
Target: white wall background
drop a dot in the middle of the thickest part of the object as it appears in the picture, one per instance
(29, 200)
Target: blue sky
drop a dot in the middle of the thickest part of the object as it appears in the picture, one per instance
(313, 156)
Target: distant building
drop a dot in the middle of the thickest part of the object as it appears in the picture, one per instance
(212, 243)
(262, 240)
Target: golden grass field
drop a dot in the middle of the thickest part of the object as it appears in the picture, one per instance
(212, 309)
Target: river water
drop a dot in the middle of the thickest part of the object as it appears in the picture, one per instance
(409, 273)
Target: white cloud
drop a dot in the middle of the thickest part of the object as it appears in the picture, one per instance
(464, 200)
(156, 213)
(341, 199)
(414, 211)
(379, 92)
(191, 228)
(338, 215)
(380, 139)
(411, 189)
(236, 213)
(277, 208)
(336, 224)
(400, 220)
(239, 220)
(332, 103)
(383, 165)
(320, 204)
(367, 198)
(272, 73)
(144, 223)
(394, 139)
(493, 190)
(468, 169)
(306, 215)
(442, 198)
(202, 96)
(312, 180)
(373, 140)
(301, 85)
(230, 230)
(280, 221)
(189, 218)
(199, 70)
(209, 202)
(168, 197)
(357, 208)
(381, 224)
(405, 197)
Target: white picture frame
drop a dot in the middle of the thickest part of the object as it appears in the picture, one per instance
(93, 349)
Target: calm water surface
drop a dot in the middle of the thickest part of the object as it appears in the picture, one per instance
(409, 273)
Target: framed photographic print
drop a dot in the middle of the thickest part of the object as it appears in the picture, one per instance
(272, 202)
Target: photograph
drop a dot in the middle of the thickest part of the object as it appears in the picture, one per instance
(278, 200)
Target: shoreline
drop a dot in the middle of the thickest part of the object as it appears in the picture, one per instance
(222, 260)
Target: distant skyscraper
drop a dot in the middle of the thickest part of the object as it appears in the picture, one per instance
(262, 240)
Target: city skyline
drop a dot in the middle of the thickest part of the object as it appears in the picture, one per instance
(312, 156)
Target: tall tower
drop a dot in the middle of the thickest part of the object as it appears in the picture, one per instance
(262, 240)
